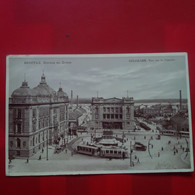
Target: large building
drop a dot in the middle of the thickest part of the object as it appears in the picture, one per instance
(113, 113)
(37, 116)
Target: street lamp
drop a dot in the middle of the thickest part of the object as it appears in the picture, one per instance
(131, 151)
(47, 143)
(149, 144)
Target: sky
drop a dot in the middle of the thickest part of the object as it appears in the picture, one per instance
(157, 76)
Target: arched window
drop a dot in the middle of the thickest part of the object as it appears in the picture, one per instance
(18, 143)
(19, 113)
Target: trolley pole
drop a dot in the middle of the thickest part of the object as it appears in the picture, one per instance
(47, 143)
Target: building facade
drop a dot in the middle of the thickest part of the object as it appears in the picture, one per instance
(37, 117)
(113, 113)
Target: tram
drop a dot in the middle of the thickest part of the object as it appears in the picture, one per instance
(113, 153)
(104, 152)
(175, 133)
(169, 132)
(88, 150)
(184, 133)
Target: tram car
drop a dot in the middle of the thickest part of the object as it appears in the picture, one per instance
(113, 153)
(88, 150)
(184, 133)
(169, 132)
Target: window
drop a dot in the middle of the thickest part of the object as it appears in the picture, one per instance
(19, 128)
(96, 109)
(112, 116)
(34, 113)
(104, 116)
(33, 141)
(18, 143)
(19, 113)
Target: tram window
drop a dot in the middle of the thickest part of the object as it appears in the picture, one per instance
(111, 151)
(107, 151)
(119, 152)
(115, 152)
(89, 150)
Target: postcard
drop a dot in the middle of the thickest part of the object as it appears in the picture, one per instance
(98, 114)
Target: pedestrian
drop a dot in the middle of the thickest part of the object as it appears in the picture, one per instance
(71, 153)
(42, 150)
(40, 157)
(158, 154)
(10, 160)
(162, 148)
(123, 155)
(135, 157)
(66, 151)
(138, 160)
(27, 160)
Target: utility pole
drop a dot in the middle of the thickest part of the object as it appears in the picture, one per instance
(149, 144)
(47, 144)
(131, 163)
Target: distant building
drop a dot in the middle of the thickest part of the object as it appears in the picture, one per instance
(35, 116)
(180, 122)
(113, 113)
(77, 117)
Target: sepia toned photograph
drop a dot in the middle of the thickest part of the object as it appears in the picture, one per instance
(98, 114)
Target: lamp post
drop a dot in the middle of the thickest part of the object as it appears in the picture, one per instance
(131, 151)
(187, 149)
(149, 144)
(47, 143)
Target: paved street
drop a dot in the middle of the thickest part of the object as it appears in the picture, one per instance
(67, 162)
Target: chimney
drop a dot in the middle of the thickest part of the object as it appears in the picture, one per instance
(180, 100)
(77, 101)
(71, 98)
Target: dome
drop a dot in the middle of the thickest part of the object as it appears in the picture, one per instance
(43, 89)
(24, 90)
(61, 93)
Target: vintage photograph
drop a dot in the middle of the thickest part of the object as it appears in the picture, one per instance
(98, 114)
